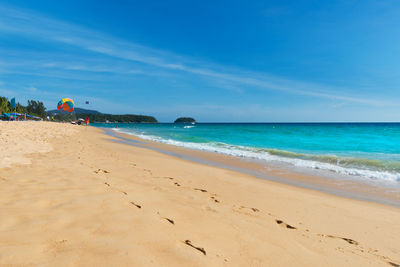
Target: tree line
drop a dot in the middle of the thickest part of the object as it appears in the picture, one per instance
(37, 108)
(34, 108)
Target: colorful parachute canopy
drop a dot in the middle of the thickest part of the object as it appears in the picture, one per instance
(66, 104)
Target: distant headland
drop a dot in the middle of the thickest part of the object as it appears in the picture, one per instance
(185, 120)
(96, 116)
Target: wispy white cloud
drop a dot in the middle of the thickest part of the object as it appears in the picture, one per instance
(20, 22)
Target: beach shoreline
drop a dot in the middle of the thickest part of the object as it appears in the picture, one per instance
(313, 180)
(90, 200)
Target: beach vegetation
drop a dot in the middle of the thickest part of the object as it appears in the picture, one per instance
(5, 105)
(21, 109)
(35, 108)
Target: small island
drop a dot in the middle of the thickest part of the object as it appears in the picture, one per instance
(185, 120)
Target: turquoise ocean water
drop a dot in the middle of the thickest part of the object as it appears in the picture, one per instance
(369, 151)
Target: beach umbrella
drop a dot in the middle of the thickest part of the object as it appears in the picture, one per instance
(66, 104)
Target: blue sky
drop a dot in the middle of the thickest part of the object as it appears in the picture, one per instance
(258, 61)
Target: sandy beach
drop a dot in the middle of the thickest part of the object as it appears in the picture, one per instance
(70, 196)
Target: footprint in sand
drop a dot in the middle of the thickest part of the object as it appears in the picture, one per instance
(282, 223)
(201, 190)
(213, 196)
(348, 240)
(189, 243)
(214, 199)
(167, 219)
(101, 171)
(136, 205)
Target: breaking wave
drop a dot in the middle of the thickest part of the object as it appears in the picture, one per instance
(362, 167)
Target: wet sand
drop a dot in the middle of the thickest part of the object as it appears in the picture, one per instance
(87, 200)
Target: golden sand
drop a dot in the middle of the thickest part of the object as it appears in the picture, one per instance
(71, 197)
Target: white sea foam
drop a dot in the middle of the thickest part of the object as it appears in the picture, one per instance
(253, 153)
(188, 127)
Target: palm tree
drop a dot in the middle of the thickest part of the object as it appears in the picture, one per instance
(5, 105)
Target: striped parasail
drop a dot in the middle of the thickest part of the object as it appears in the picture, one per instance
(66, 104)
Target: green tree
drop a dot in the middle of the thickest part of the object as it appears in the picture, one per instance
(36, 108)
(32, 107)
(41, 110)
(5, 105)
(21, 109)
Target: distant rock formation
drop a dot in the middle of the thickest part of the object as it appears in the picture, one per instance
(185, 120)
